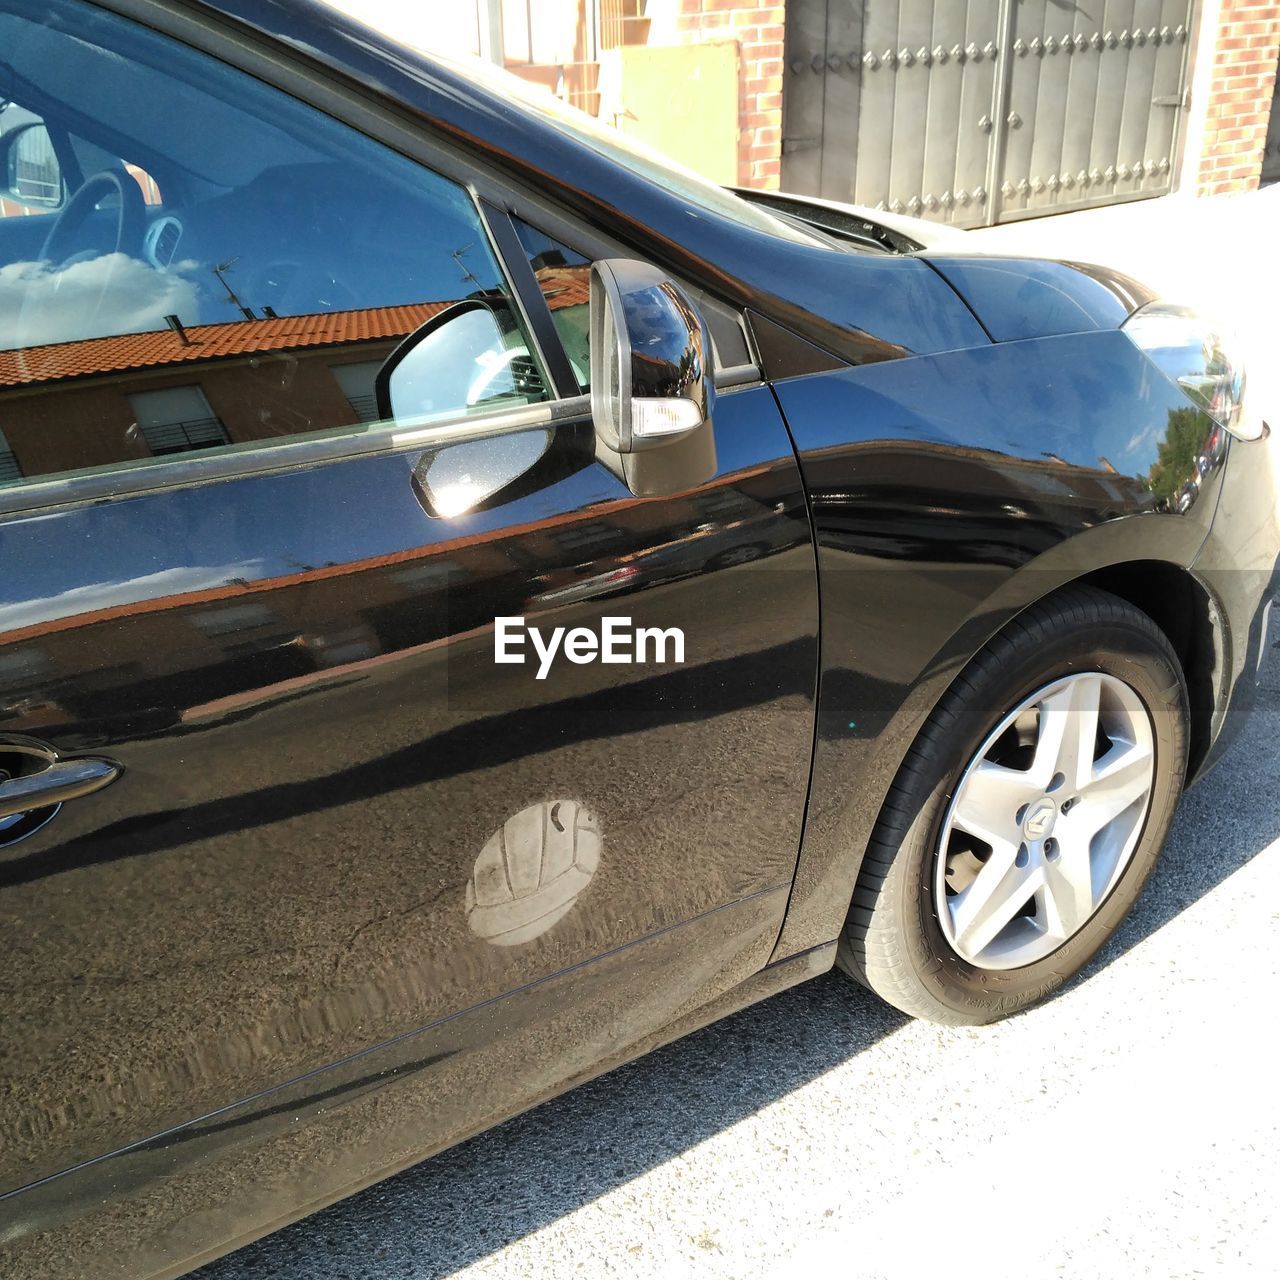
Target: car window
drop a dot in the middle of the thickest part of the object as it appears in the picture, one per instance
(564, 276)
(168, 288)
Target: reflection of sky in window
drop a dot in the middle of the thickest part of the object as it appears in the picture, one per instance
(316, 216)
(40, 304)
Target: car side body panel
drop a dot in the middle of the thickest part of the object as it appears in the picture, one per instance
(191, 1194)
(296, 672)
(1238, 566)
(948, 493)
(1020, 298)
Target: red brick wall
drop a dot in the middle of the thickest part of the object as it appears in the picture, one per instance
(759, 30)
(1243, 79)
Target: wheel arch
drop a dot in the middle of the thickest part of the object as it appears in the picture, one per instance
(1146, 561)
(1182, 607)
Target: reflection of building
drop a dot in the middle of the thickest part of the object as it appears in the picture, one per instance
(213, 648)
(9, 469)
(100, 401)
(107, 400)
(924, 500)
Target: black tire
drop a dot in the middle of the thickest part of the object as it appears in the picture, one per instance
(893, 941)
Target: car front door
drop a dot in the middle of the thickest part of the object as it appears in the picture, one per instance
(249, 622)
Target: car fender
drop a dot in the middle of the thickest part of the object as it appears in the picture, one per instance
(948, 493)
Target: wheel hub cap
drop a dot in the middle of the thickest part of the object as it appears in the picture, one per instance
(1044, 820)
(1040, 819)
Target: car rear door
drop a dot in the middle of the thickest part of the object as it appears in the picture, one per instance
(311, 814)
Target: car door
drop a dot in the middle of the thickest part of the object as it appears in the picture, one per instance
(268, 801)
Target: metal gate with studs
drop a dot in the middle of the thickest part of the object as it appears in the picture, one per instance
(981, 111)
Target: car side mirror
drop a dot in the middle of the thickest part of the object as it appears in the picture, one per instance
(652, 377)
(29, 170)
(470, 358)
(457, 478)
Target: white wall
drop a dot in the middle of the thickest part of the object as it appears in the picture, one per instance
(427, 24)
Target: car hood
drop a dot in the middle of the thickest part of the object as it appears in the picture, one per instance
(1018, 298)
(1013, 296)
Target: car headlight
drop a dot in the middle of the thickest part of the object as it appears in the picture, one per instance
(1198, 358)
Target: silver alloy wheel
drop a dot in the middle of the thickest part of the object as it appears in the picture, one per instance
(1044, 820)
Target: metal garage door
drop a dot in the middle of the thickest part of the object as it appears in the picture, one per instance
(980, 111)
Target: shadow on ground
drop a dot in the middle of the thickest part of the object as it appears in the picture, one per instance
(515, 1179)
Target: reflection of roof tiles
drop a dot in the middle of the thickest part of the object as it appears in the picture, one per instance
(208, 342)
(564, 287)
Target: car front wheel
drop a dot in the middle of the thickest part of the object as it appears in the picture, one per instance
(1027, 814)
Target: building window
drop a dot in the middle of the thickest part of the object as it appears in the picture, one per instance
(356, 381)
(9, 469)
(177, 420)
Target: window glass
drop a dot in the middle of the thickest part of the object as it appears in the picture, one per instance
(225, 269)
(176, 420)
(34, 177)
(564, 276)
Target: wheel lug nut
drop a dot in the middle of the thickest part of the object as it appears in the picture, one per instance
(1051, 850)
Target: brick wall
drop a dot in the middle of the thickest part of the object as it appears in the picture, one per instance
(1242, 81)
(759, 30)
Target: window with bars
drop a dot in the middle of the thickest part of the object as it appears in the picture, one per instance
(177, 420)
(356, 381)
(9, 468)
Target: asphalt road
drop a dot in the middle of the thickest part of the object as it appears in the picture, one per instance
(1131, 1126)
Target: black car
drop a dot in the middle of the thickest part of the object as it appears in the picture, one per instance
(477, 604)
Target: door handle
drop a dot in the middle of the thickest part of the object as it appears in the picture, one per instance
(61, 780)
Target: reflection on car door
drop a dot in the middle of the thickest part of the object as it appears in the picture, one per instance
(339, 821)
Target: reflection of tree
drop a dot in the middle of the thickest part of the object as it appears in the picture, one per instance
(1176, 461)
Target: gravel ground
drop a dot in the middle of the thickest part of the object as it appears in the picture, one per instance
(1129, 1127)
